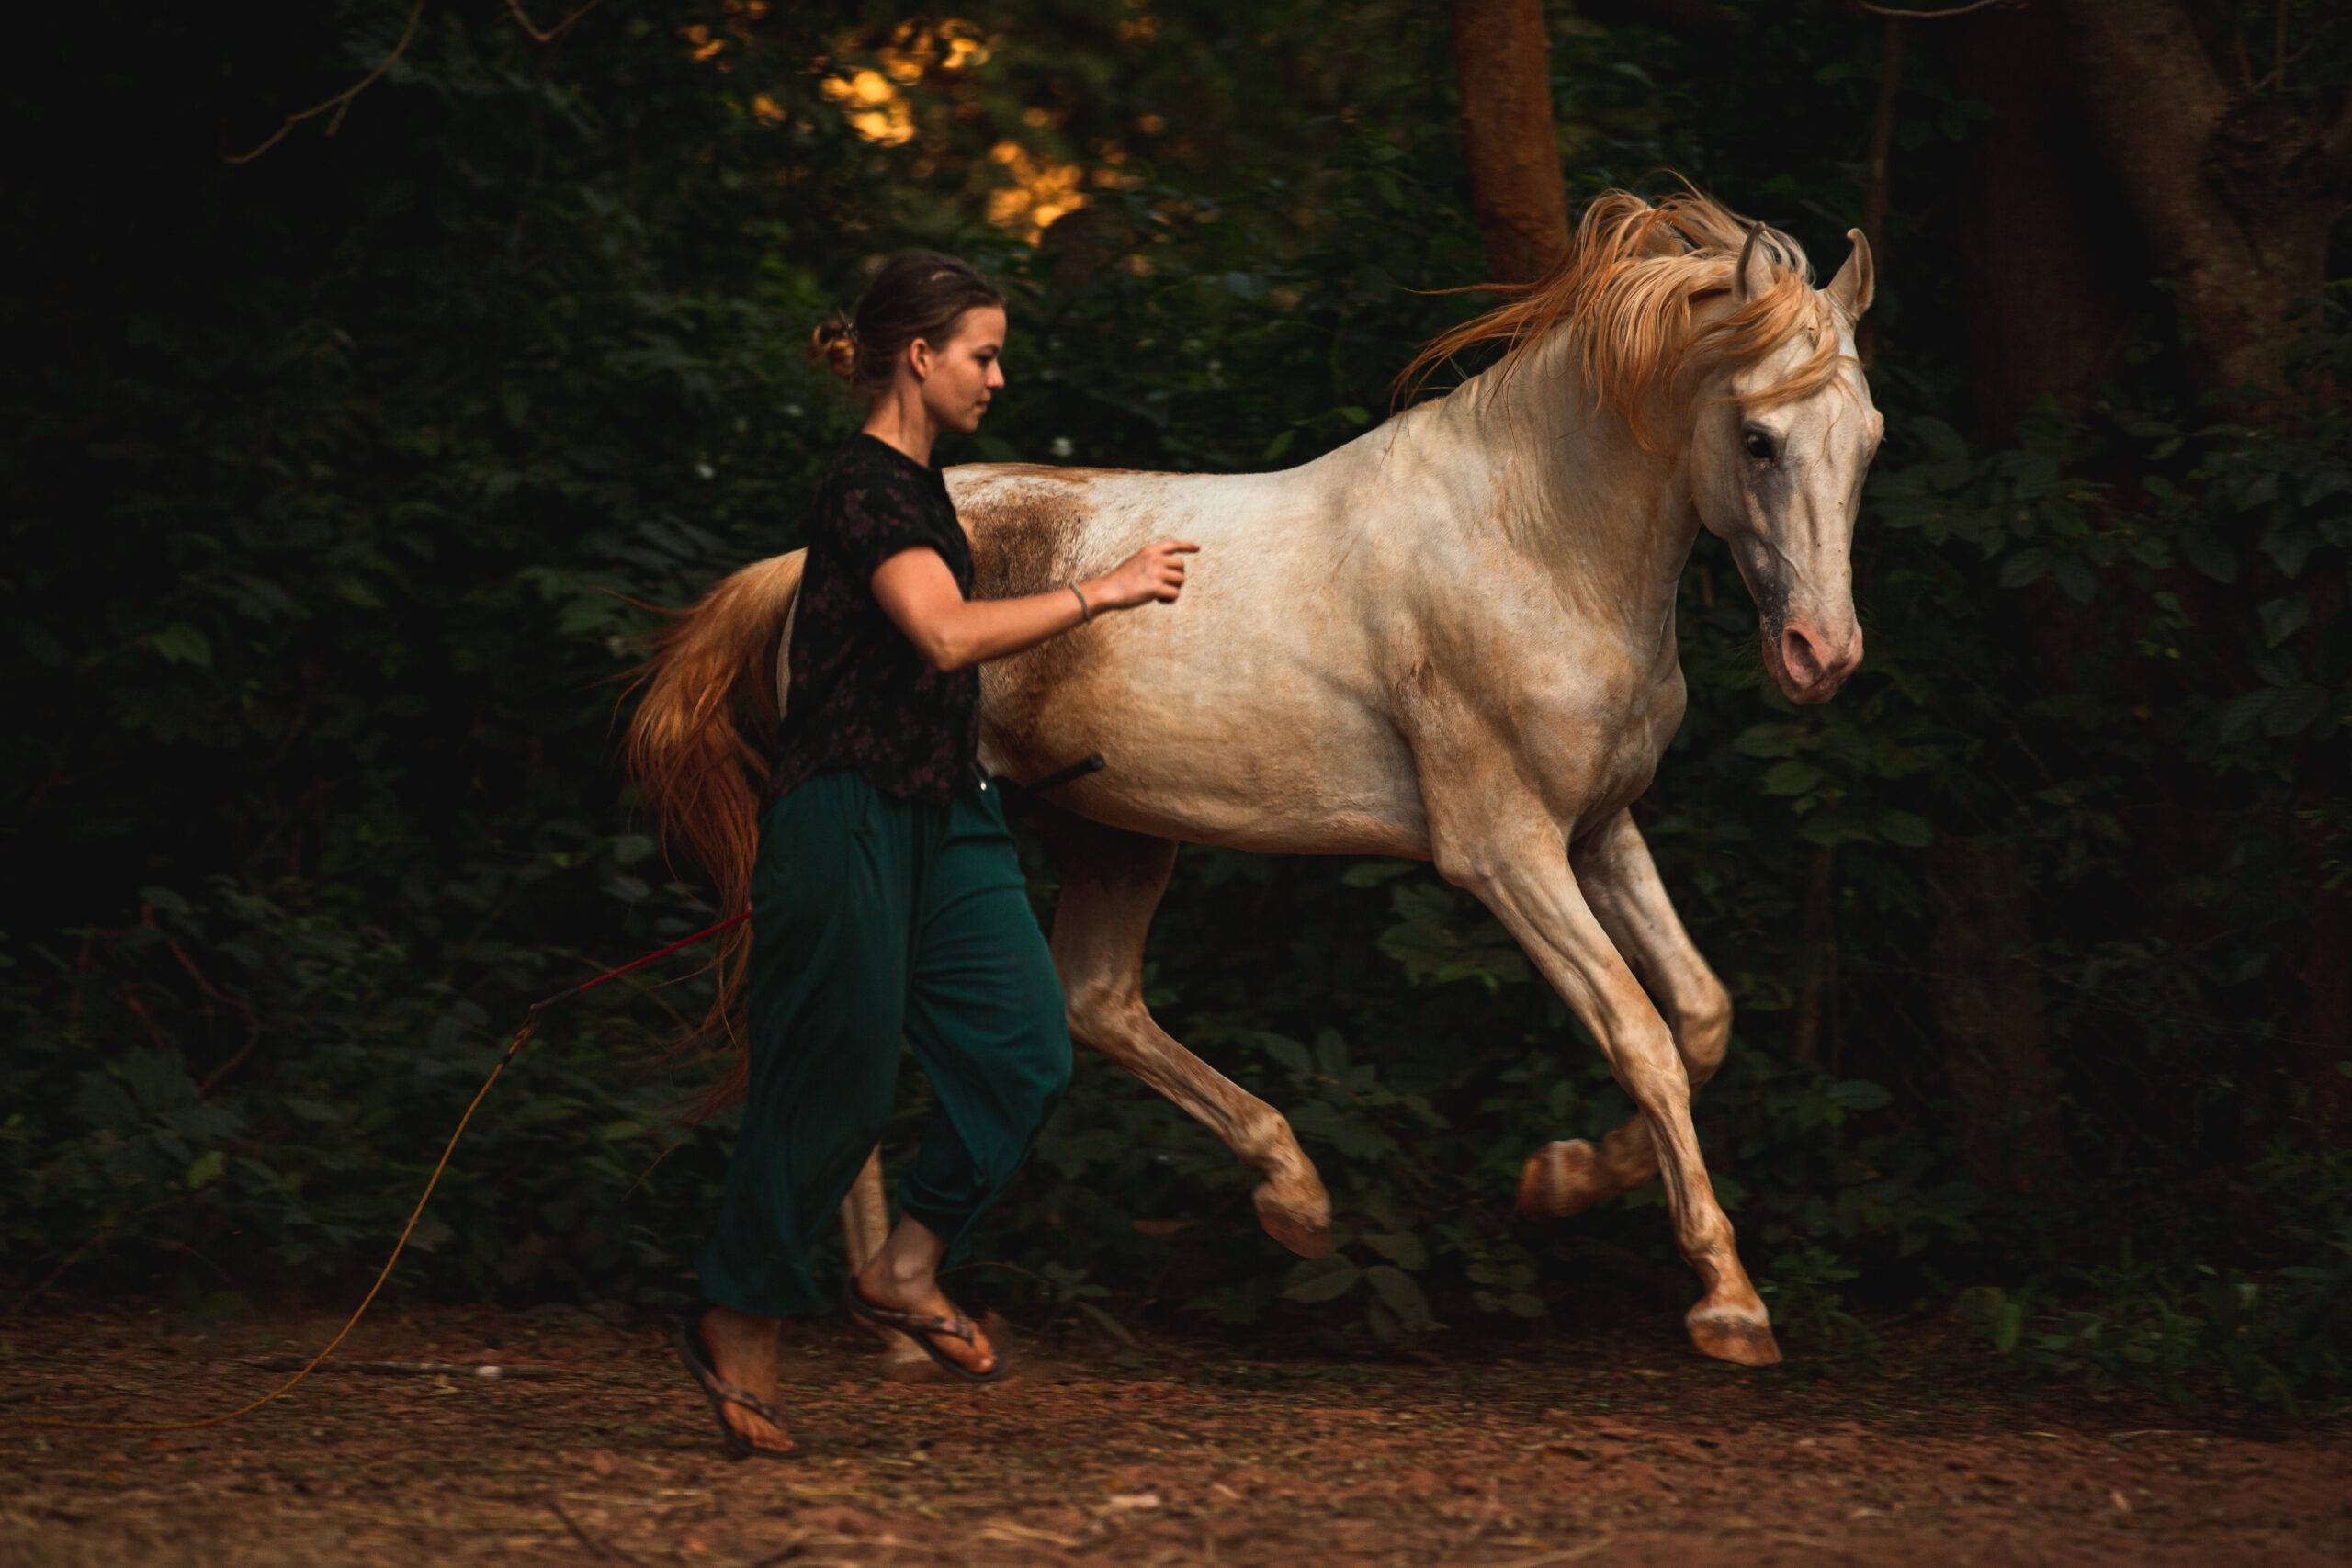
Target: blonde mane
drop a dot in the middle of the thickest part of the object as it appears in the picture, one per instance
(1627, 287)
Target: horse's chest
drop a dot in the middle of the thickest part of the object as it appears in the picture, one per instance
(1597, 742)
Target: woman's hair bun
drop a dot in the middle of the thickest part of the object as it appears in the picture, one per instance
(917, 296)
(835, 343)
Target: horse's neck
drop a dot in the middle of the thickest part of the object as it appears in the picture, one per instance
(1565, 485)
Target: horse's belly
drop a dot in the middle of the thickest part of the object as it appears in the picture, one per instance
(1290, 768)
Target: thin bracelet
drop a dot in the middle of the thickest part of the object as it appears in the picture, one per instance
(1085, 610)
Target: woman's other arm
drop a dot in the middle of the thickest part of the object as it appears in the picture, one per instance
(919, 593)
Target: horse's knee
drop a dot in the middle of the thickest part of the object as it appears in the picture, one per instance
(1702, 1028)
(1095, 1008)
(1264, 1142)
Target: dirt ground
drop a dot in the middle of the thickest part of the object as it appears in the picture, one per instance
(1618, 1450)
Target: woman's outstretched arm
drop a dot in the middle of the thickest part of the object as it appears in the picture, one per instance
(919, 593)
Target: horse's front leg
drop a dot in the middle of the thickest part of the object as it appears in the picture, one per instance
(1111, 883)
(1510, 853)
(1620, 884)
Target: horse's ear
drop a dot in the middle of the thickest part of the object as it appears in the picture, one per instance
(1754, 273)
(1856, 283)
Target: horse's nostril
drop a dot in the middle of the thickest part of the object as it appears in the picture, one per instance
(1797, 652)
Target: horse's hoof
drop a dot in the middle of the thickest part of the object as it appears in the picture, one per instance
(902, 1361)
(1559, 1179)
(1742, 1336)
(1305, 1232)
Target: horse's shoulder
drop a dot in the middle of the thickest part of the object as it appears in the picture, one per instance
(1025, 520)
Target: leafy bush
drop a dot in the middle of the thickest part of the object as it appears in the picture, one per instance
(2176, 1332)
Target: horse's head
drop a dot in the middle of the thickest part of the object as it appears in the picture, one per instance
(1703, 336)
(1776, 464)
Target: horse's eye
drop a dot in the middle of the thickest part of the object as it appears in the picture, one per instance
(1759, 445)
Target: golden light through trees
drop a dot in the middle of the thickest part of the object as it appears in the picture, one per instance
(916, 87)
(879, 104)
(1041, 191)
(875, 107)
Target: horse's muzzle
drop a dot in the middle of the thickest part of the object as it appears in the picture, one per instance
(1800, 660)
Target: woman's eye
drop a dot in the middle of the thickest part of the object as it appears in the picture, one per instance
(1759, 446)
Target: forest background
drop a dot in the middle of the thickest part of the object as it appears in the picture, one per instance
(351, 449)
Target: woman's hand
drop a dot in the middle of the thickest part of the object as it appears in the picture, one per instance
(1155, 572)
(920, 595)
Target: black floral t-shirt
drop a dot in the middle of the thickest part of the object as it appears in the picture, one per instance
(862, 698)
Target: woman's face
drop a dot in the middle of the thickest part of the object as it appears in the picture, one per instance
(960, 376)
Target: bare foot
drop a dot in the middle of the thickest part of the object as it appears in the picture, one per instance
(878, 1285)
(743, 1351)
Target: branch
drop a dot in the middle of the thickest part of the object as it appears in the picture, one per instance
(253, 1020)
(553, 33)
(341, 102)
(601, 1549)
(88, 1245)
(1931, 16)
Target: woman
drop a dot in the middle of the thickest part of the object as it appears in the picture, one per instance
(888, 900)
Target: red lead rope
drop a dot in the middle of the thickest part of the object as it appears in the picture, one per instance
(522, 1037)
(729, 924)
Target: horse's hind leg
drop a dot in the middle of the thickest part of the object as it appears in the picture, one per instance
(1111, 883)
(865, 1224)
(1621, 884)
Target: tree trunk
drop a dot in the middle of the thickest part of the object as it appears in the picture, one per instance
(1878, 181)
(2051, 261)
(1506, 72)
(2235, 193)
(1988, 1005)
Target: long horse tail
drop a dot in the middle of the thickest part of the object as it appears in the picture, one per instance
(710, 695)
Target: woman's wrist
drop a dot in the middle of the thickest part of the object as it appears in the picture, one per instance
(1085, 603)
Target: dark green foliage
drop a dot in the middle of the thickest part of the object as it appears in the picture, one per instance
(339, 482)
(2171, 1331)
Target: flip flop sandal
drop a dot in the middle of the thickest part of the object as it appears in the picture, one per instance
(694, 1354)
(920, 1327)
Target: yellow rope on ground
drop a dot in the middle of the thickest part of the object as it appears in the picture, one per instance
(530, 1025)
(522, 1036)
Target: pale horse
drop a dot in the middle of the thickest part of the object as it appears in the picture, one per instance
(1452, 639)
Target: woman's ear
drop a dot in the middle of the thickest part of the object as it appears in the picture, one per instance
(919, 359)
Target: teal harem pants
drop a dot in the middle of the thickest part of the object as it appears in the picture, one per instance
(874, 919)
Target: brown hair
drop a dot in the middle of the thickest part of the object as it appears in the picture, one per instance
(1627, 287)
(920, 294)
